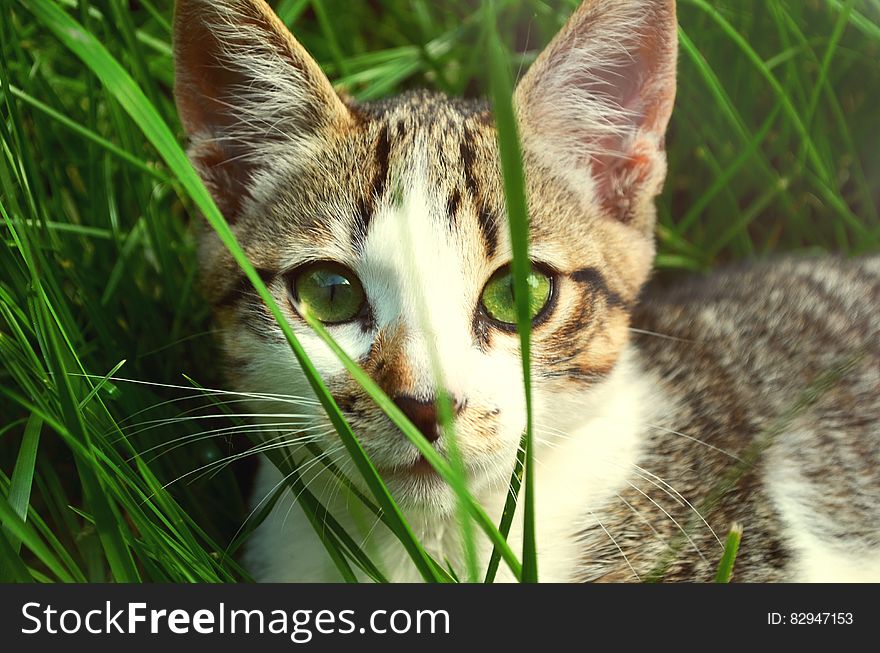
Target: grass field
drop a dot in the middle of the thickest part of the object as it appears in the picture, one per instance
(773, 148)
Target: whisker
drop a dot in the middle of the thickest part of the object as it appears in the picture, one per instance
(225, 462)
(228, 431)
(565, 436)
(302, 470)
(369, 533)
(611, 537)
(254, 395)
(663, 485)
(645, 521)
(693, 439)
(229, 459)
(266, 496)
(670, 517)
(286, 444)
(148, 425)
(179, 341)
(238, 430)
(227, 402)
(686, 502)
(645, 332)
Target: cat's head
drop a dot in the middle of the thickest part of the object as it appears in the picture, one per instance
(388, 219)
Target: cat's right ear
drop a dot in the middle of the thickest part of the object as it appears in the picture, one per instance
(247, 93)
(595, 104)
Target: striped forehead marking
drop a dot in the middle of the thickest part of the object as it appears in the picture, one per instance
(455, 132)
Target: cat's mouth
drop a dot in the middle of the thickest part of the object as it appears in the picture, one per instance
(421, 468)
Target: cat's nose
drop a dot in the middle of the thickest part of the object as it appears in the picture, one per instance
(423, 413)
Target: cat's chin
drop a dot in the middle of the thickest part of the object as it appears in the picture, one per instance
(420, 489)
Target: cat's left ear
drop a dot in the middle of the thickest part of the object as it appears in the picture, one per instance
(595, 104)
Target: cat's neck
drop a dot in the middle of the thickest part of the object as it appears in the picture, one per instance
(581, 470)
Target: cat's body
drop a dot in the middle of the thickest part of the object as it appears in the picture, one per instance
(778, 365)
(751, 396)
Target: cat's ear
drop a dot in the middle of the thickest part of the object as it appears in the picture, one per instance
(247, 93)
(595, 104)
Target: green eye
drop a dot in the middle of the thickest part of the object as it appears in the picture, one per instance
(499, 301)
(332, 292)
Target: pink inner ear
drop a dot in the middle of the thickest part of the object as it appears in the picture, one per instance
(200, 78)
(229, 48)
(207, 75)
(642, 86)
(204, 85)
(627, 160)
(652, 90)
(621, 177)
(227, 177)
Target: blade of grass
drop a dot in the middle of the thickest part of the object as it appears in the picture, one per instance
(289, 10)
(868, 204)
(314, 513)
(859, 20)
(513, 488)
(101, 383)
(731, 547)
(729, 172)
(23, 473)
(319, 517)
(43, 530)
(739, 224)
(831, 48)
(825, 179)
(518, 221)
(770, 78)
(12, 567)
(107, 518)
(24, 533)
(89, 134)
(329, 528)
(330, 36)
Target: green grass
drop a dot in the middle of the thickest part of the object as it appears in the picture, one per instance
(772, 148)
(731, 546)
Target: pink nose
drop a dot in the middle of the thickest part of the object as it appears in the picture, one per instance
(423, 414)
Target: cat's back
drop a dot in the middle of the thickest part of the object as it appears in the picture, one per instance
(773, 327)
(773, 377)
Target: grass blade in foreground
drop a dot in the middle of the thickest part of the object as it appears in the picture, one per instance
(725, 567)
(518, 219)
(105, 513)
(20, 485)
(508, 513)
(443, 403)
(23, 474)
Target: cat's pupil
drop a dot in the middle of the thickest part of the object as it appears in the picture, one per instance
(331, 283)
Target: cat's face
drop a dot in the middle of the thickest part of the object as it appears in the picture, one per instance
(388, 221)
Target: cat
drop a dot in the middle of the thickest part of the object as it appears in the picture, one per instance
(662, 416)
